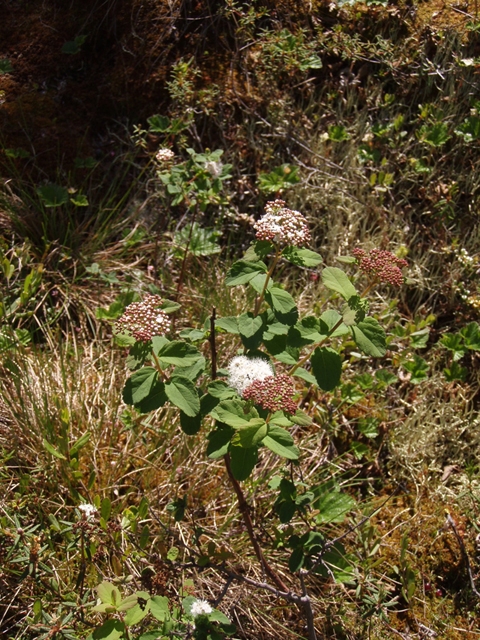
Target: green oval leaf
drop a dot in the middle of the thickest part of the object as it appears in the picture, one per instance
(139, 385)
(179, 353)
(51, 449)
(251, 434)
(281, 442)
(241, 272)
(283, 305)
(326, 367)
(370, 337)
(333, 506)
(302, 257)
(182, 393)
(52, 195)
(337, 280)
(243, 461)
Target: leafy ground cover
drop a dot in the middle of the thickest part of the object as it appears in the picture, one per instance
(364, 117)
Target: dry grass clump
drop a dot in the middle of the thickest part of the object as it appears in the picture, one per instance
(439, 430)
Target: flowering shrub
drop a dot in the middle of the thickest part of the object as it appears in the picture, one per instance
(256, 405)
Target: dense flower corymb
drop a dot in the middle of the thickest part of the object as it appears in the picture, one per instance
(383, 265)
(164, 155)
(144, 319)
(282, 226)
(199, 608)
(242, 371)
(273, 393)
(88, 510)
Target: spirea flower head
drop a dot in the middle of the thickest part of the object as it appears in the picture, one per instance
(214, 168)
(164, 154)
(88, 510)
(242, 371)
(383, 265)
(282, 226)
(199, 608)
(144, 319)
(273, 393)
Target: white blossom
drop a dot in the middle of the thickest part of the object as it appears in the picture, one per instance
(242, 371)
(88, 510)
(200, 607)
(164, 155)
(282, 226)
(214, 168)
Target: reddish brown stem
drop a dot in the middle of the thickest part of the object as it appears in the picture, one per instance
(243, 508)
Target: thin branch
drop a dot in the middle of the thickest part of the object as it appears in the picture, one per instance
(244, 510)
(461, 544)
(213, 346)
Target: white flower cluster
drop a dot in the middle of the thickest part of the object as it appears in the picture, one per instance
(200, 607)
(88, 510)
(214, 168)
(164, 154)
(282, 226)
(242, 371)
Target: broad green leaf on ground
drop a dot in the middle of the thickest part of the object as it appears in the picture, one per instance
(337, 563)
(159, 607)
(137, 613)
(52, 195)
(454, 342)
(370, 337)
(5, 66)
(218, 616)
(109, 594)
(110, 630)
(385, 376)
(158, 123)
(337, 280)
(418, 368)
(333, 506)
(183, 394)
(80, 200)
(471, 335)
(326, 367)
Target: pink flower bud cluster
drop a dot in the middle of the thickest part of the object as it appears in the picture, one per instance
(282, 226)
(383, 265)
(273, 393)
(144, 319)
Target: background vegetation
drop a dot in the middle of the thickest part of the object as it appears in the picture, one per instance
(366, 118)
